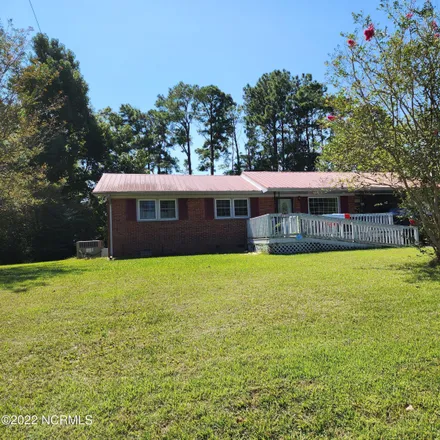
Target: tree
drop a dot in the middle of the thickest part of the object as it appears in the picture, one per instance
(20, 142)
(281, 117)
(74, 152)
(36, 223)
(137, 142)
(306, 135)
(266, 108)
(181, 106)
(128, 141)
(162, 142)
(216, 126)
(236, 156)
(23, 125)
(387, 113)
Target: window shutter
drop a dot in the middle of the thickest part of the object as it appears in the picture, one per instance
(130, 210)
(304, 204)
(344, 204)
(209, 209)
(255, 207)
(183, 209)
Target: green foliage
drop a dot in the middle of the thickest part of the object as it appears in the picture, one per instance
(136, 142)
(181, 105)
(127, 140)
(162, 141)
(216, 125)
(281, 116)
(43, 203)
(387, 115)
(238, 160)
(73, 153)
(326, 346)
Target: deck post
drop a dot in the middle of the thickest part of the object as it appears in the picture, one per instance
(416, 236)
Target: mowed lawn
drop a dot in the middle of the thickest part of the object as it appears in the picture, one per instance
(331, 345)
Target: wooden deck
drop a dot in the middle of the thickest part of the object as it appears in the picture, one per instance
(306, 233)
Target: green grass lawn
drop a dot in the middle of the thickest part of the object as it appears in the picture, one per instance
(331, 345)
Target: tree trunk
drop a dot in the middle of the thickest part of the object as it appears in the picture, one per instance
(188, 153)
(283, 151)
(237, 152)
(212, 157)
(211, 138)
(275, 151)
(249, 159)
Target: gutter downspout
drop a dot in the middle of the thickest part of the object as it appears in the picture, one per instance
(110, 227)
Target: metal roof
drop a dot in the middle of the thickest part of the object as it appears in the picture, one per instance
(312, 180)
(138, 183)
(248, 182)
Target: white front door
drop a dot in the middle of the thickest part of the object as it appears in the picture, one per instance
(285, 206)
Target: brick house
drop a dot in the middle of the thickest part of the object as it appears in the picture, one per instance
(151, 214)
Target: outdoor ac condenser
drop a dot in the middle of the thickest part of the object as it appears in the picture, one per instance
(89, 249)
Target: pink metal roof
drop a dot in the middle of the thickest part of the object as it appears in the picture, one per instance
(315, 180)
(126, 183)
(253, 182)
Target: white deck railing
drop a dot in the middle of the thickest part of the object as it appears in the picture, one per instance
(383, 219)
(313, 226)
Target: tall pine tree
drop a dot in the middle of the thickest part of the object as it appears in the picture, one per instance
(216, 125)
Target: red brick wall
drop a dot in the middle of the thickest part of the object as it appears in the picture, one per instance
(193, 236)
(267, 205)
(196, 235)
(352, 208)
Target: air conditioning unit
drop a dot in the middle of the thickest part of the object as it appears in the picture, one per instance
(89, 249)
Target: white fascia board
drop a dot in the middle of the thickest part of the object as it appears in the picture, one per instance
(262, 188)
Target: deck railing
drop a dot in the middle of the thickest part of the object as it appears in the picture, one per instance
(383, 219)
(313, 226)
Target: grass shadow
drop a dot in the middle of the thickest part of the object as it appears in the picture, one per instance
(418, 272)
(19, 279)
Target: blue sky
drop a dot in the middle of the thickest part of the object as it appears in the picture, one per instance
(132, 50)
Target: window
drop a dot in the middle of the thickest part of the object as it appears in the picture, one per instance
(168, 209)
(231, 208)
(241, 208)
(223, 208)
(323, 205)
(157, 210)
(147, 210)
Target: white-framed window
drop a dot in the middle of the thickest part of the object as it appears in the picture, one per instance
(147, 210)
(241, 207)
(150, 210)
(223, 208)
(231, 208)
(323, 205)
(167, 210)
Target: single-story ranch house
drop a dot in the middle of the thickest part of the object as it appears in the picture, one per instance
(158, 214)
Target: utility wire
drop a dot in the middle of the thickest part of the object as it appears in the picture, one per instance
(35, 15)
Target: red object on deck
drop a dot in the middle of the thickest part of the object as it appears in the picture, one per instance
(412, 222)
(347, 216)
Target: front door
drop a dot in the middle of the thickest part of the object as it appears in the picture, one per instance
(285, 206)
